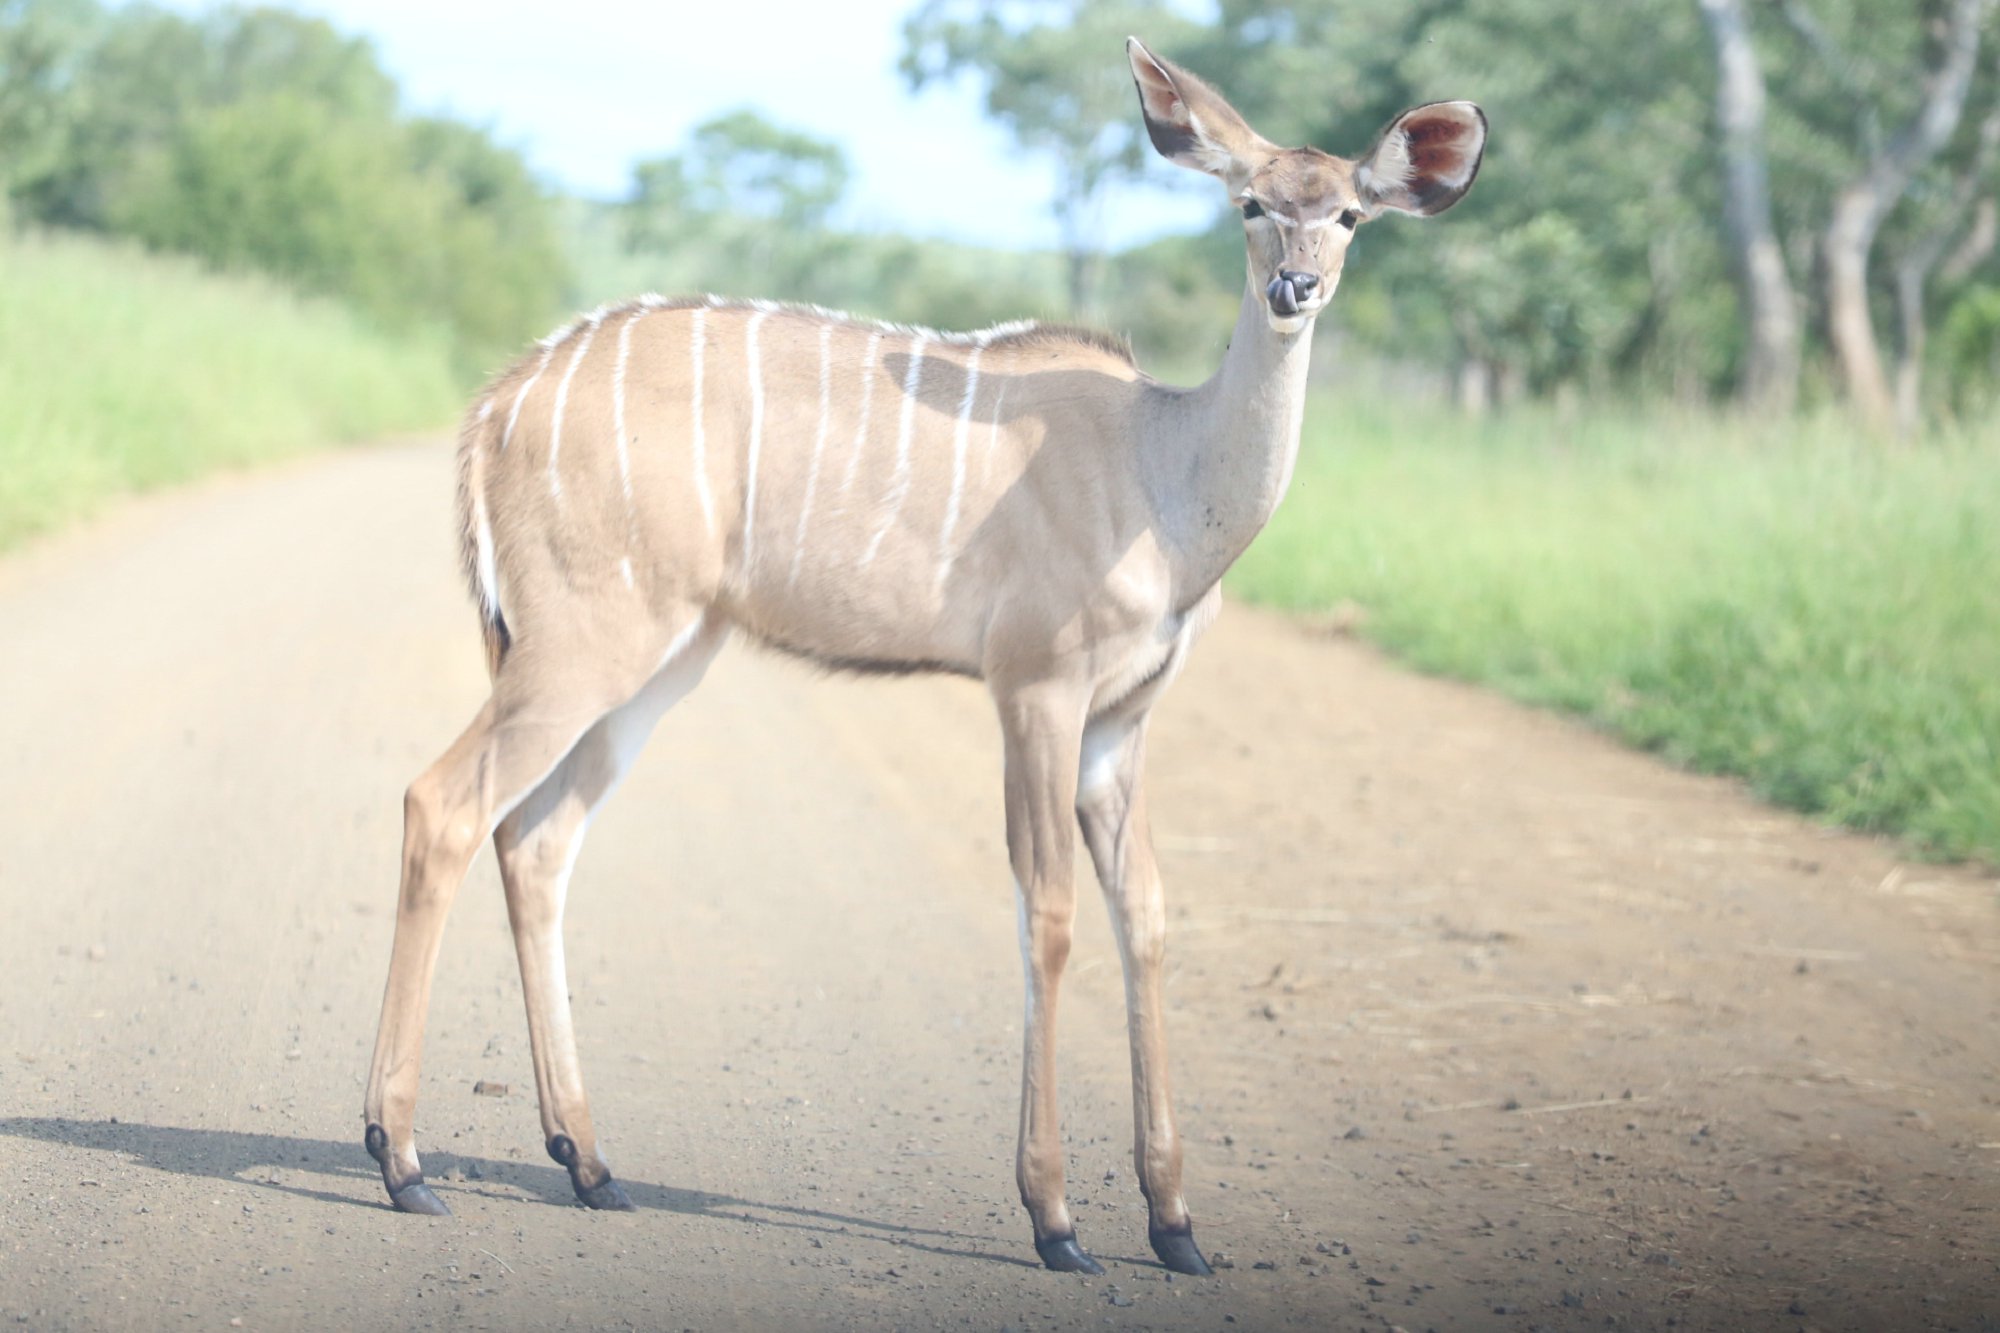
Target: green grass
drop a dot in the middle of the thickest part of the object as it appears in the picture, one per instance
(1813, 613)
(122, 371)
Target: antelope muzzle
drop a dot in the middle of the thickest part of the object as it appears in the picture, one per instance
(1291, 291)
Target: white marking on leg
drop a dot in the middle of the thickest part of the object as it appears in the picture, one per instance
(697, 338)
(899, 484)
(819, 447)
(562, 401)
(958, 439)
(625, 569)
(756, 375)
(522, 397)
(867, 402)
(482, 544)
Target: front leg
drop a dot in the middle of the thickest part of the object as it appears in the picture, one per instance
(1042, 728)
(1111, 807)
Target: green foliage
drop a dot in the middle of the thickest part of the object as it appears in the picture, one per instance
(262, 139)
(1969, 348)
(1796, 607)
(1591, 248)
(746, 197)
(39, 43)
(882, 277)
(741, 210)
(738, 164)
(121, 371)
(1055, 76)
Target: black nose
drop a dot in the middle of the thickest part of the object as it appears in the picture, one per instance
(1290, 287)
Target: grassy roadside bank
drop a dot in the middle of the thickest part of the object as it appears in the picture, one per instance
(1814, 614)
(121, 371)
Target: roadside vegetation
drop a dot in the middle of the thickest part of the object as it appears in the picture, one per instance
(1795, 604)
(122, 371)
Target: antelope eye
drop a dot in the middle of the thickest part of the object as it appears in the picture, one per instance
(1349, 218)
(1252, 209)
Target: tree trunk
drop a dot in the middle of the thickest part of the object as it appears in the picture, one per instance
(1965, 212)
(1860, 207)
(1764, 288)
(1850, 236)
(1475, 386)
(1910, 276)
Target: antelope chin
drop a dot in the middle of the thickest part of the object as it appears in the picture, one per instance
(1291, 323)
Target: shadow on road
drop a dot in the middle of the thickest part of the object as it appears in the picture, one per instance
(255, 1159)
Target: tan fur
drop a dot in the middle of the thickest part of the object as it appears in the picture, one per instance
(1020, 505)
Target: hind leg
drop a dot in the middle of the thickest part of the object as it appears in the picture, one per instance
(539, 709)
(538, 845)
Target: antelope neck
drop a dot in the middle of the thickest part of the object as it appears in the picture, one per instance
(1222, 454)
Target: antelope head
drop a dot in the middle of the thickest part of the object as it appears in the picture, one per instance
(1301, 206)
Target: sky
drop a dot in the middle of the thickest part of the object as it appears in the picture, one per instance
(587, 87)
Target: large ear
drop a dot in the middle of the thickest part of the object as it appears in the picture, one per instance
(1425, 161)
(1189, 122)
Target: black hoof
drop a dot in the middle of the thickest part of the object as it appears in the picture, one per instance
(1176, 1250)
(412, 1196)
(416, 1197)
(1061, 1254)
(607, 1194)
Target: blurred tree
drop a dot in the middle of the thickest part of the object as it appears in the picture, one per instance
(742, 163)
(1056, 77)
(1770, 305)
(1586, 250)
(41, 43)
(740, 166)
(147, 71)
(759, 191)
(1642, 153)
(263, 138)
(1925, 93)
(1961, 219)
(370, 210)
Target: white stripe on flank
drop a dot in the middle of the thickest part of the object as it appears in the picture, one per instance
(618, 429)
(522, 396)
(867, 401)
(562, 400)
(993, 434)
(958, 437)
(899, 486)
(618, 406)
(756, 375)
(819, 446)
(697, 338)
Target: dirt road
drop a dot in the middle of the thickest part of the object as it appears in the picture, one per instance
(1479, 1022)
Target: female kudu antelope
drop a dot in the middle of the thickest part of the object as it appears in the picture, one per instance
(1019, 505)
